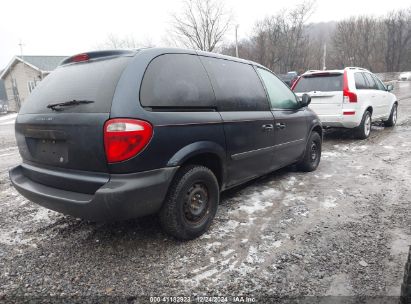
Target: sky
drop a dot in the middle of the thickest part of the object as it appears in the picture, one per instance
(50, 27)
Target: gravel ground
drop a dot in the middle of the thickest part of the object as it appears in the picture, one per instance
(343, 230)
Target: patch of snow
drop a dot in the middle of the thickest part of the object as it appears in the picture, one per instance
(211, 245)
(227, 252)
(277, 244)
(359, 148)
(255, 204)
(329, 203)
(254, 256)
(204, 275)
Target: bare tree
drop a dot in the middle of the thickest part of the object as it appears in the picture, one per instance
(202, 24)
(397, 38)
(128, 42)
(280, 42)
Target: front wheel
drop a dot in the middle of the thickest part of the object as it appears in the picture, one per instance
(312, 155)
(392, 120)
(191, 203)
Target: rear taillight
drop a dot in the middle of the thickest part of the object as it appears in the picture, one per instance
(125, 138)
(295, 83)
(348, 96)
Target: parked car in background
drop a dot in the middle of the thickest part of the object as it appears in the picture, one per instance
(4, 106)
(405, 76)
(121, 134)
(289, 78)
(350, 98)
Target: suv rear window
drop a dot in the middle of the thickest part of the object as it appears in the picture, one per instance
(176, 81)
(94, 80)
(323, 83)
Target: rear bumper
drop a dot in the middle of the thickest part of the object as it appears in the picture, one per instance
(342, 121)
(124, 196)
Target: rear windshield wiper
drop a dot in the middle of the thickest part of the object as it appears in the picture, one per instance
(56, 106)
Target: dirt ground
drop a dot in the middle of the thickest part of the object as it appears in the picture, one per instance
(343, 230)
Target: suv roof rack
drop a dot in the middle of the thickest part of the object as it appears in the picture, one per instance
(356, 68)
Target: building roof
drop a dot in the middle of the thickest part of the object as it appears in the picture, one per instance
(44, 63)
(39, 63)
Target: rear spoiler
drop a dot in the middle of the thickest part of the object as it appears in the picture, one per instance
(82, 57)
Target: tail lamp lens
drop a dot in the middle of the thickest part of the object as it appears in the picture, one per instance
(348, 96)
(125, 138)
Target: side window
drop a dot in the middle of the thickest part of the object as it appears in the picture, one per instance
(236, 85)
(176, 81)
(380, 85)
(281, 97)
(371, 83)
(360, 83)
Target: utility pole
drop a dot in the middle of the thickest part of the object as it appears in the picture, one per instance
(324, 56)
(21, 49)
(236, 40)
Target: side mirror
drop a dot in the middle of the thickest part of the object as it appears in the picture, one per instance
(390, 87)
(305, 100)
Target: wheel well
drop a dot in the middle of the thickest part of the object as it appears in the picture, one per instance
(319, 130)
(209, 160)
(369, 109)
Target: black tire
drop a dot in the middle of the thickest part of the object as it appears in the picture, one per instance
(364, 129)
(392, 120)
(312, 154)
(191, 203)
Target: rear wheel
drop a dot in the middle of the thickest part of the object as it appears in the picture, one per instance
(191, 203)
(312, 155)
(392, 120)
(364, 129)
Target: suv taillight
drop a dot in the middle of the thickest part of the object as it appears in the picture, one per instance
(348, 96)
(294, 84)
(125, 138)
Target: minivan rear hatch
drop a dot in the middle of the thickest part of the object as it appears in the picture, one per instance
(60, 125)
(325, 89)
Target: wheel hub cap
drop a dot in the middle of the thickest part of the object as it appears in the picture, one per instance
(313, 151)
(196, 203)
(367, 125)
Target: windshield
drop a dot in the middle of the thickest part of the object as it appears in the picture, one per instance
(324, 83)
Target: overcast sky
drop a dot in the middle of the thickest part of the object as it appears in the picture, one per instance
(50, 27)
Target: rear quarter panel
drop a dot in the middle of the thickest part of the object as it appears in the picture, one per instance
(174, 133)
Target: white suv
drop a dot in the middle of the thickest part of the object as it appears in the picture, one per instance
(349, 98)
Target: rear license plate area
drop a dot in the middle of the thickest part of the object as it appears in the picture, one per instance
(49, 151)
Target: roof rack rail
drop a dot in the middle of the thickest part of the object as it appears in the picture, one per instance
(356, 68)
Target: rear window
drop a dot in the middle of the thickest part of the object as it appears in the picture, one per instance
(95, 81)
(323, 83)
(236, 85)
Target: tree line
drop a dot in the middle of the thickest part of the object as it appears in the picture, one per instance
(287, 41)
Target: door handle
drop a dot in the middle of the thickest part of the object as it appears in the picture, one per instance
(280, 125)
(268, 127)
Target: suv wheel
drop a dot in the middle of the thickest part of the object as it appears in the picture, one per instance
(392, 120)
(364, 129)
(312, 154)
(191, 203)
